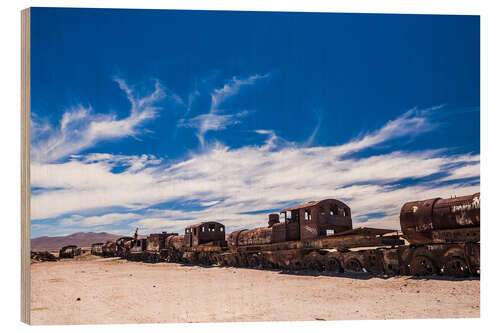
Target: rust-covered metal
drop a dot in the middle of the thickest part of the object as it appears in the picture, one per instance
(204, 232)
(318, 218)
(156, 242)
(123, 246)
(42, 256)
(257, 236)
(420, 219)
(69, 251)
(96, 249)
(439, 236)
(109, 249)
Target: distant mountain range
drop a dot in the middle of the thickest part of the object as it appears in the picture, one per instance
(81, 239)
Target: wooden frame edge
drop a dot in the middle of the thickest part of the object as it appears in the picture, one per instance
(25, 165)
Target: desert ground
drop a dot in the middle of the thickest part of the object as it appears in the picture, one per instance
(111, 290)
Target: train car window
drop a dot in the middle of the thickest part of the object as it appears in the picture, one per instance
(341, 211)
(195, 231)
(288, 214)
(334, 210)
(307, 215)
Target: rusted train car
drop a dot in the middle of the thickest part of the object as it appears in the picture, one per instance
(439, 236)
(109, 249)
(317, 235)
(444, 236)
(69, 251)
(149, 249)
(202, 243)
(96, 249)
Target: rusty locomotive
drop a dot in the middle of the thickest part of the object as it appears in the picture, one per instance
(439, 236)
(69, 251)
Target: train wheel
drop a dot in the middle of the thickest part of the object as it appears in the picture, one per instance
(240, 260)
(422, 265)
(313, 261)
(456, 266)
(353, 265)
(228, 260)
(373, 264)
(295, 265)
(333, 265)
(261, 260)
(252, 261)
(265, 262)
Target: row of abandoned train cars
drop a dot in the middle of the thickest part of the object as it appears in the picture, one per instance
(439, 236)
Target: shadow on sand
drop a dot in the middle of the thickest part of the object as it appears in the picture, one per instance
(346, 275)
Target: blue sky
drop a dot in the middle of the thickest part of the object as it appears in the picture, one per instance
(156, 119)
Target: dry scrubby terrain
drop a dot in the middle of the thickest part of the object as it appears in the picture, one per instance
(80, 239)
(96, 290)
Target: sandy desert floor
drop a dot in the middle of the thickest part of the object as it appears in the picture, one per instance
(97, 291)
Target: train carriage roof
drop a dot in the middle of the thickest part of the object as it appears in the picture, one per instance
(204, 224)
(69, 247)
(125, 238)
(315, 203)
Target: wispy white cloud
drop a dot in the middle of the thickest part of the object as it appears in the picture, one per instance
(227, 183)
(412, 123)
(469, 170)
(230, 89)
(217, 118)
(211, 122)
(80, 127)
(98, 220)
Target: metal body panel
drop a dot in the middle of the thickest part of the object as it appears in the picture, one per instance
(204, 232)
(69, 251)
(420, 219)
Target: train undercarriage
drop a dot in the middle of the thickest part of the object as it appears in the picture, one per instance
(390, 257)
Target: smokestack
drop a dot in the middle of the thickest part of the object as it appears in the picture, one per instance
(273, 219)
